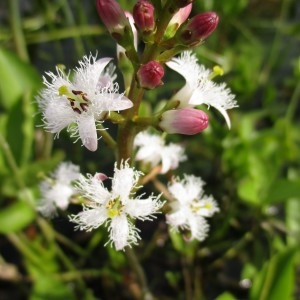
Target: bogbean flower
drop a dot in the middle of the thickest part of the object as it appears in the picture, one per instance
(190, 206)
(153, 150)
(81, 104)
(57, 189)
(199, 88)
(117, 208)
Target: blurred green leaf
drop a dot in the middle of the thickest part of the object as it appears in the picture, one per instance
(31, 174)
(15, 217)
(49, 288)
(17, 78)
(276, 280)
(283, 189)
(226, 296)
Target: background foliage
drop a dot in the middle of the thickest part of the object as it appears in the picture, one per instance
(252, 170)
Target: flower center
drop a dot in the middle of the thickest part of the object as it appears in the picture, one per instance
(114, 207)
(196, 206)
(78, 100)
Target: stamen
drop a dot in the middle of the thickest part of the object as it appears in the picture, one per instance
(78, 99)
(217, 71)
(114, 207)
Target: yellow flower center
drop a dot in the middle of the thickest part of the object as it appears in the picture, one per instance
(196, 206)
(114, 207)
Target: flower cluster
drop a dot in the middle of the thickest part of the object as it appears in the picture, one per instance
(83, 99)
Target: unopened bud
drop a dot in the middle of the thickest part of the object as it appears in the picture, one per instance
(149, 75)
(198, 28)
(113, 17)
(143, 14)
(187, 121)
(179, 18)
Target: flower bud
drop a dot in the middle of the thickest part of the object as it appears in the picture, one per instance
(143, 14)
(114, 18)
(149, 75)
(187, 121)
(198, 28)
(179, 17)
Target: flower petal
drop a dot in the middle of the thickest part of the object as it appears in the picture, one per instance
(143, 209)
(124, 181)
(87, 132)
(119, 232)
(90, 219)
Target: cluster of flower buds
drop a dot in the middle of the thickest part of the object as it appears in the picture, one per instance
(178, 33)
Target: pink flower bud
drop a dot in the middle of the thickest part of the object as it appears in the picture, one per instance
(187, 121)
(112, 15)
(143, 14)
(149, 75)
(180, 17)
(198, 28)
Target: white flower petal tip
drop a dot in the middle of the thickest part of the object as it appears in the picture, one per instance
(80, 104)
(191, 207)
(57, 190)
(199, 88)
(115, 208)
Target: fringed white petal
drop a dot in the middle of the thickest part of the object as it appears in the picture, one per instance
(88, 132)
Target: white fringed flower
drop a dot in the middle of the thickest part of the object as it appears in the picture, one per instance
(81, 103)
(199, 88)
(57, 189)
(115, 208)
(191, 206)
(153, 150)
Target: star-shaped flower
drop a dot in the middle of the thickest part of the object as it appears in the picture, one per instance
(116, 208)
(153, 150)
(199, 88)
(191, 206)
(81, 103)
(57, 189)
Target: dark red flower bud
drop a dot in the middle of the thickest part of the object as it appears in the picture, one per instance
(143, 14)
(198, 28)
(112, 15)
(149, 75)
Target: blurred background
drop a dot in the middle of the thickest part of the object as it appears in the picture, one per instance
(252, 170)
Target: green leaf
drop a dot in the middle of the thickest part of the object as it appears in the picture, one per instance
(15, 217)
(276, 279)
(17, 78)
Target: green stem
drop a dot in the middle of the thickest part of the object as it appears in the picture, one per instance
(16, 26)
(136, 266)
(107, 137)
(291, 110)
(127, 130)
